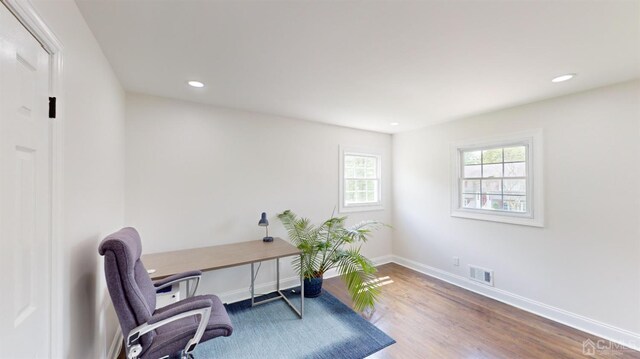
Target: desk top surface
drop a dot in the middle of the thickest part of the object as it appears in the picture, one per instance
(216, 257)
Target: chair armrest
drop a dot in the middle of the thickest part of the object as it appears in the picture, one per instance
(201, 307)
(178, 278)
(179, 307)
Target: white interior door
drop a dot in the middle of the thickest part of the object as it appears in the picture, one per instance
(25, 193)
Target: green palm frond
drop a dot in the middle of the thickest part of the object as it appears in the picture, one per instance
(299, 230)
(362, 230)
(358, 274)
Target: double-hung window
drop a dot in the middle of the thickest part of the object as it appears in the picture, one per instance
(499, 180)
(360, 180)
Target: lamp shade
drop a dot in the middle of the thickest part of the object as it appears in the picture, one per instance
(263, 220)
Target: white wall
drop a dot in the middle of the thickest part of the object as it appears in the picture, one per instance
(93, 107)
(586, 260)
(198, 175)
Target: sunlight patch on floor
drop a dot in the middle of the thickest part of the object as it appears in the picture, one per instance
(378, 282)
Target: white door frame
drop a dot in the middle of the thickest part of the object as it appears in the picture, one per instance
(28, 16)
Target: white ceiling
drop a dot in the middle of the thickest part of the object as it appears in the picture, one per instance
(364, 64)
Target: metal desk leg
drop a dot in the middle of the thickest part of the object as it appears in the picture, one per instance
(301, 292)
(252, 284)
(280, 294)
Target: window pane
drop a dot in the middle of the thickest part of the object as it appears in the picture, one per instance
(492, 202)
(371, 196)
(471, 186)
(514, 154)
(349, 173)
(373, 191)
(361, 179)
(370, 162)
(360, 167)
(492, 156)
(515, 203)
(471, 201)
(472, 158)
(492, 170)
(495, 179)
(349, 161)
(492, 186)
(361, 191)
(515, 186)
(516, 169)
(472, 171)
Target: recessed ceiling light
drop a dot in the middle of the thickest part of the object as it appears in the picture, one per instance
(563, 78)
(197, 84)
(394, 124)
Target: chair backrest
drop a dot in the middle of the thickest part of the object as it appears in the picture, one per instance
(131, 290)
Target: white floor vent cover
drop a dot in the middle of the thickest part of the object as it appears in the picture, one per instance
(481, 275)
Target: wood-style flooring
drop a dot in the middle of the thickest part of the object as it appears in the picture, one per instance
(430, 318)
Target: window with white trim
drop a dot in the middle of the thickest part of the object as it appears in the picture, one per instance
(360, 181)
(497, 180)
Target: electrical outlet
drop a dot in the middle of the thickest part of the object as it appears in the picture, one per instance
(456, 261)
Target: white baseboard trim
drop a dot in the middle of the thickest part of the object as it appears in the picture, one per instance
(603, 330)
(378, 261)
(116, 344)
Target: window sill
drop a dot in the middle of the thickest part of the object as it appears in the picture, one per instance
(362, 208)
(505, 218)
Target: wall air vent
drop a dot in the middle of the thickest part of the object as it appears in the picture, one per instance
(481, 275)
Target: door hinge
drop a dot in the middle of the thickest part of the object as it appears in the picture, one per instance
(52, 107)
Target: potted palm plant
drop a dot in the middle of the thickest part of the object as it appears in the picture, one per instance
(333, 245)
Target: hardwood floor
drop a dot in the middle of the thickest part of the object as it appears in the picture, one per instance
(430, 318)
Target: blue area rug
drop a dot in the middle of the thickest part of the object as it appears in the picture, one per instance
(329, 329)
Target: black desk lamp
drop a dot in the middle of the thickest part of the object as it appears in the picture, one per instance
(265, 223)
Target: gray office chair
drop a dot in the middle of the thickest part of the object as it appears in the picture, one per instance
(168, 331)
